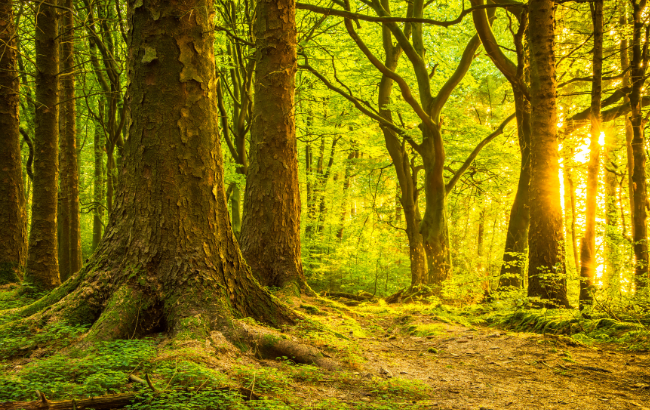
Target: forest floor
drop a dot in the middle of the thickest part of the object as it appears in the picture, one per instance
(393, 357)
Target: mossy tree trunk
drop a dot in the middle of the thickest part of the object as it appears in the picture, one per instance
(13, 240)
(270, 236)
(42, 269)
(168, 256)
(546, 264)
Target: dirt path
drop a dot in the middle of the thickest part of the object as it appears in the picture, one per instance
(482, 368)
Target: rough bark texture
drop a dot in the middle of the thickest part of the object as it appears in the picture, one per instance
(638, 179)
(169, 259)
(69, 167)
(270, 237)
(546, 265)
(588, 243)
(42, 269)
(13, 240)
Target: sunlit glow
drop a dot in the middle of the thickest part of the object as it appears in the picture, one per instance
(601, 140)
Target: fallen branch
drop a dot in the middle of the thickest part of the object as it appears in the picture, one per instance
(113, 401)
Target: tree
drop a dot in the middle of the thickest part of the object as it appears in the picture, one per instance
(270, 236)
(69, 177)
(546, 266)
(512, 269)
(169, 259)
(588, 243)
(42, 269)
(428, 233)
(13, 241)
(638, 178)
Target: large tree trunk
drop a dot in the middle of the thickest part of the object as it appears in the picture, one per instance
(512, 269)
(70, 167)
(588, 243)
(42, 270)
(434, 228)
(546, 265)
(13, 240)
(638, 179)
(270, 235)
(168, 259)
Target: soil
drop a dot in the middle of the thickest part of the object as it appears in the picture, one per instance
(486, 368)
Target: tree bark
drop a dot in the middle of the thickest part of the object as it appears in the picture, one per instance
(169, 259)
(638, 178)
(546, 265)
(588, 242)
(13, 241)
(42, 269)
(70, 167)
(270, 235)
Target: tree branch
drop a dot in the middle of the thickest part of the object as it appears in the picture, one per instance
(475, 153)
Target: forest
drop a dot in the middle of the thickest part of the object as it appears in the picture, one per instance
(343, 204)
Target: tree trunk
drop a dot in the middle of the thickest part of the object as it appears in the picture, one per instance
(13, 249)
(42, 270)
(270, 236)
(346, 187)
(169, 259)
(638, 179)
(235, 209)
(70, 168)
(570, 205)
(588, 243)
(514, 262)
(63, 208)
(613, 239)
(546, 265)
(434, 228)
(98, 185)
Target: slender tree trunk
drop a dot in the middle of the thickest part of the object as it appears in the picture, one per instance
(235, 209)
(13, 240)
(546, 265)
(479, 242)
(270, 236)
(570, 206)
(638, 178)
(98, 185)
(613, 239)
(512, 269)
(346, 187)
(42, 270)
(70, 175)
(63, 208)
(588, 243)
(624, 52)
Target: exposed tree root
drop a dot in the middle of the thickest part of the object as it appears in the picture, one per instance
(271, 345)
(418, 293)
